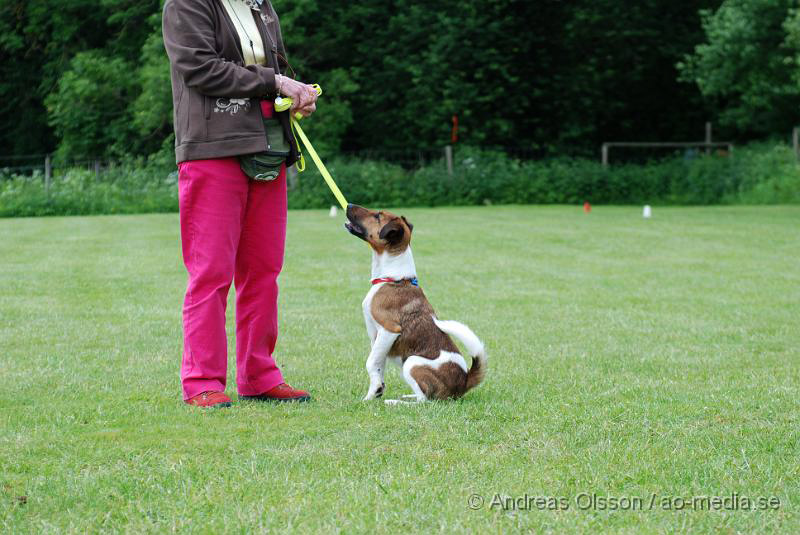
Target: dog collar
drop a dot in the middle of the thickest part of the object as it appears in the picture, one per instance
(414, 281)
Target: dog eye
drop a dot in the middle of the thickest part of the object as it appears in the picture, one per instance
(378, 217)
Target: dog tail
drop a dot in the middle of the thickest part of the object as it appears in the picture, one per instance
(474, 347)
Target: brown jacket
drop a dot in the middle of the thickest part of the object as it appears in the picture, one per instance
(215, 97)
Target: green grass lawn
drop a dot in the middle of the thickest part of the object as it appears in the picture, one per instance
(630, 359)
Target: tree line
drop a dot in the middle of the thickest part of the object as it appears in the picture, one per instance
(90, 78)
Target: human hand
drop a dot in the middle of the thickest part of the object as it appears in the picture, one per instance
(304, 96)
(308, 110)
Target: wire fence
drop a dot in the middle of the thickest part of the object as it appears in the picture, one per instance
(45, 164)
(409, 158)
(402, 157)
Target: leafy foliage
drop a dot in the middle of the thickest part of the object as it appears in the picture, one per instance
(548, 76)
(37, 41)
(96, 90)
(749, 64)
(552, 78)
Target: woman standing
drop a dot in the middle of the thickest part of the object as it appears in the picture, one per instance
(227, 59)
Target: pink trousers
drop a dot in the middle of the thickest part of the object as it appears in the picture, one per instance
(233, 229)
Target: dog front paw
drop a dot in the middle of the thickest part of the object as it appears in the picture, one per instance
(373, 393)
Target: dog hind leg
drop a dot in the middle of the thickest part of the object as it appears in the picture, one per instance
(422, 378)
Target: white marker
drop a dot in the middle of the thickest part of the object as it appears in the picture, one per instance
(333, 211)
(647, 212)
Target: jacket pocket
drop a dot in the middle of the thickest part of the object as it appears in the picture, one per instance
(233, 117)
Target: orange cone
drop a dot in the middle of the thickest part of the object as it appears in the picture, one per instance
(587, 207)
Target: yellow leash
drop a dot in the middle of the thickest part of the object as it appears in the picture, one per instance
(283, 104)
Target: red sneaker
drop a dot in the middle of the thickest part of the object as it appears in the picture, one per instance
(210, 399)
(282, 392)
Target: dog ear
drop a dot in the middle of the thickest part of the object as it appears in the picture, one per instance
(392, 232)
(410, 226)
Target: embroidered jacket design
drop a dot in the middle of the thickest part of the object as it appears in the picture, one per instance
(231, 105)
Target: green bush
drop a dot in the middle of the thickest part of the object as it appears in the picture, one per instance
(766, 175)
(756, 174)
(126, 189)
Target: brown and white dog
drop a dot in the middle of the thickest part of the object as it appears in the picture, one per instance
(400, 321)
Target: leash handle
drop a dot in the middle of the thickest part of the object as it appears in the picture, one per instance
(285, 103)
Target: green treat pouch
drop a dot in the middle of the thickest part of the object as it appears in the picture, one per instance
(267, 165)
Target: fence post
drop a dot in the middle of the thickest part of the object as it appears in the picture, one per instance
(48, 173)
(97, 170)
(448, 156)
(605, 154)
(708, 137)
(796, 142)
